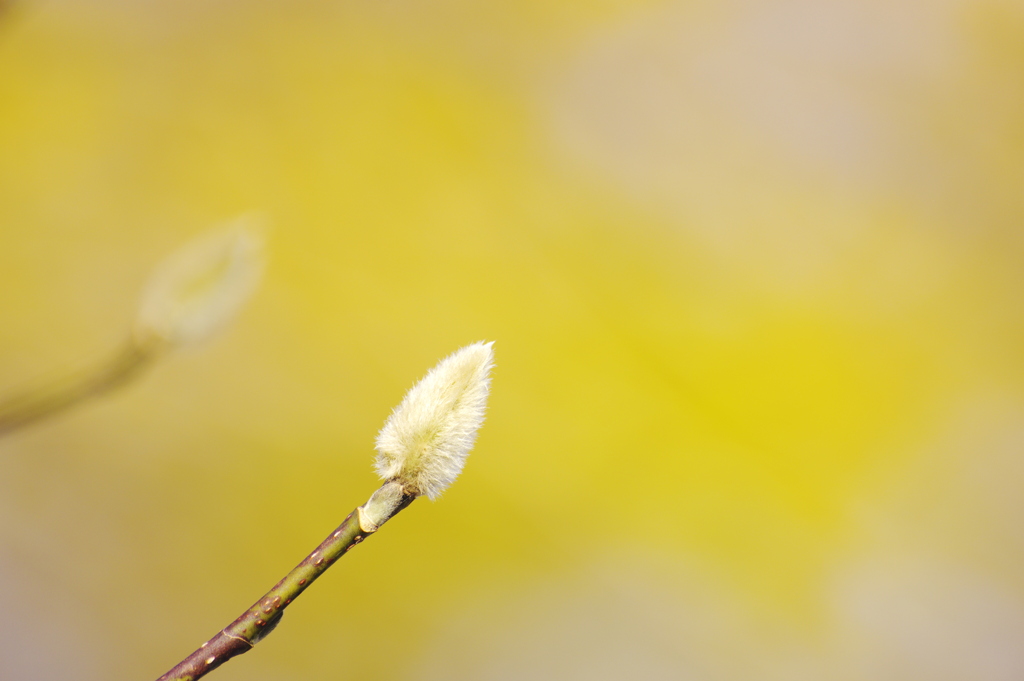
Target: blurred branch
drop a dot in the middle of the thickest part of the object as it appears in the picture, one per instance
(47, 400)
(7, 7)
(191, 294)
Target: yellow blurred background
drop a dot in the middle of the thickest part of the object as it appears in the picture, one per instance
(753, 270)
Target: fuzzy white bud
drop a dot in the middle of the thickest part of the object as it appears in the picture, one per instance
(425, 442)
(200, 287)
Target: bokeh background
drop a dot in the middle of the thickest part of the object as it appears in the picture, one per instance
(754, 271)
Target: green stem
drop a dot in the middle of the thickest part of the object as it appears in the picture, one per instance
(259, 620)
(46, 400)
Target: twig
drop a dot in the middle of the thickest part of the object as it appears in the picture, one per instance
(421, 450)
(260, 619)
